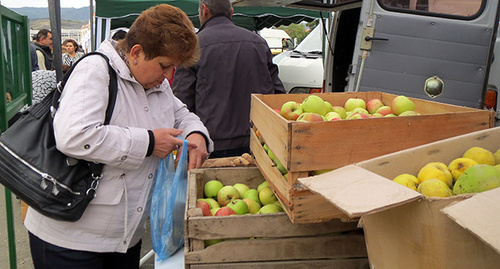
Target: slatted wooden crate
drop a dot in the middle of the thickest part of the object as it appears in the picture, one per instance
(264, 240)
(305, 147)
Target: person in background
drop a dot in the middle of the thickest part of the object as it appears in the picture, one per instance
(146, 125)
(34, 58)
(234, 63)
(119, 35)
(43, 46)
(72, 55)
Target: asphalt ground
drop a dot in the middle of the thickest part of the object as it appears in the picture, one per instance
(23, 255)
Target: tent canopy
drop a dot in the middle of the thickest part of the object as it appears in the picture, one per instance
(122, 13)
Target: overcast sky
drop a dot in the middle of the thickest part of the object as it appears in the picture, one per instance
(44, 3)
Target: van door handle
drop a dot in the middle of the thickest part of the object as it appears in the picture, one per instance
(370, 38)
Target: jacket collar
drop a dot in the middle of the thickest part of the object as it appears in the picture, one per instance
(219, 19)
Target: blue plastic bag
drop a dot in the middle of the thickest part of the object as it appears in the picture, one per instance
(168, 205)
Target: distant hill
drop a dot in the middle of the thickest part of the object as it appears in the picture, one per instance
(71, 18)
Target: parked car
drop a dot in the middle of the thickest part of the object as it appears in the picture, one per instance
(301, 69)
(277, 40)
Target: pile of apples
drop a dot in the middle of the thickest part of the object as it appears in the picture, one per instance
(314, 109)
(237, 199)
(476, 171)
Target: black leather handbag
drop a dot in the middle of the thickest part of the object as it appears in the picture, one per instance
(33, 169)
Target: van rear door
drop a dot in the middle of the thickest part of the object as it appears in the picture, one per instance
(402, 44)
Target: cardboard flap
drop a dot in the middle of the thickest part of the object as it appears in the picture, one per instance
(357, 191)
(479, 214)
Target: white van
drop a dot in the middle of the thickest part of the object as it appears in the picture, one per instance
(436, 50)
(301, 69)
(277, 40)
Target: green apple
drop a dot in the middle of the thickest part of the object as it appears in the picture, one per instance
(239, 206)
(390, 115)
(252, 194)
(253, 206)
(212, 203)
(314, 104)
(332, 116)
(280, 166)
(401, 104)
(266, 148)
(262, 185)
(227, 194)
(353, 103)
(310, 117)
(211, 188)
(340, 110)
(409, 113)
(214, 211)
(291, 110)
(270, 208)
(360, 110)
(373, 105)
(211, 242)
(242, 188)
(328, 106)
(267, 196)
(279, 205)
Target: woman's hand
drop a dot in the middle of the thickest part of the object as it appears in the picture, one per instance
(197, 155)
(166, 142)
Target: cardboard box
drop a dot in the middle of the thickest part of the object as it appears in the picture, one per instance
(305, 147)
(264, 240)
(404, 229)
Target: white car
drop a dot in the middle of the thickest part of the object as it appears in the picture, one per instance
(301, 69)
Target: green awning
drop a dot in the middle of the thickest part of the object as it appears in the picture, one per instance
(122, 13)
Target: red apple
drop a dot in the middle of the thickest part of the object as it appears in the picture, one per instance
(357, 116)
(385, 110)
(310, 117)
(225, 211)
(373, 105)
(291, 110)
(205, 207)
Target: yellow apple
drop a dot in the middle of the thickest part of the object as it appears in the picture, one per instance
(434, 188)
(407, 180)
(459, 165)
(437, 170)
(480, 155)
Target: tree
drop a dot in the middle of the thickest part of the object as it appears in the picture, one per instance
(299, 31)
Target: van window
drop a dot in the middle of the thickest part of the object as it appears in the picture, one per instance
(466, 8)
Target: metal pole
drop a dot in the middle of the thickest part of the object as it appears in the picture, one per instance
(10, 230)
(55, 28)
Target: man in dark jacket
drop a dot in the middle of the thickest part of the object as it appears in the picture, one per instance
(43, 46)
(234, 63)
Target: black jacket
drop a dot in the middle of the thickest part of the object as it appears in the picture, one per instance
(47, 55)
(234, 63)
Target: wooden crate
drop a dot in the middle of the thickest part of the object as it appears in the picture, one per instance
(264, 240)
(305, 147)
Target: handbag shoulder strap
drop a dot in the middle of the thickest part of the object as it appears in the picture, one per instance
(113, 86)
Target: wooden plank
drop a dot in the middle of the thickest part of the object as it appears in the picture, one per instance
(272, 126)
(314, 208)
(276, 249)
(261, 225)
(356, 263)
(269, 170)
(312, 150)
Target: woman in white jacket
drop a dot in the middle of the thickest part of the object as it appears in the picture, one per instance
(146, 121)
